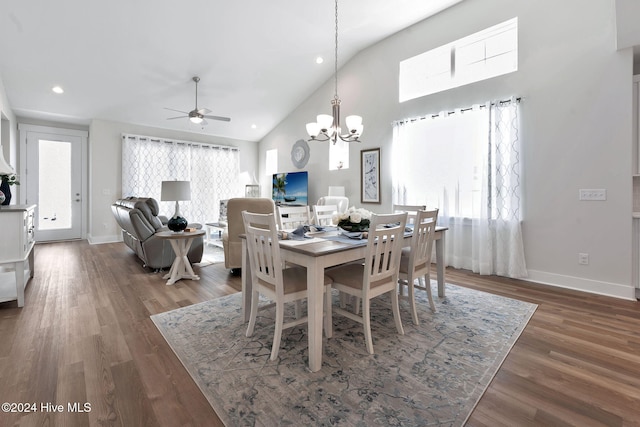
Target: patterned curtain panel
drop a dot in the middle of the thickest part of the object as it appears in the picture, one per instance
(467, 164)
(214, 173)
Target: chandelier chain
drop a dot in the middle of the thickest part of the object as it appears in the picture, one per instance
(335, 96)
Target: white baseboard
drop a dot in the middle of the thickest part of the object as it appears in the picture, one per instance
(96, 240)
(615, 290)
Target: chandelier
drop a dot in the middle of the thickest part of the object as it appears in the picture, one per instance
(327, 127)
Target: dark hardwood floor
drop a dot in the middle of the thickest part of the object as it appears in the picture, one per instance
(85, 336)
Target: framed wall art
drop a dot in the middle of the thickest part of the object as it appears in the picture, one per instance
(370, 175)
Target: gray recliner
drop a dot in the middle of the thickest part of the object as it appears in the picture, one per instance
(139, 220)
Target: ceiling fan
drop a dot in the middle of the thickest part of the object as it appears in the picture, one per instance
(198, 115)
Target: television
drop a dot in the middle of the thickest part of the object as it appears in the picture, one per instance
(290, 188)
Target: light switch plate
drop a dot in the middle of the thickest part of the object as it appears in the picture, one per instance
(593, 194)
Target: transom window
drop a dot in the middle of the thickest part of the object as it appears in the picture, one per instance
(488, 53)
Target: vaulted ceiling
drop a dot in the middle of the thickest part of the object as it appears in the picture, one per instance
(128, 60)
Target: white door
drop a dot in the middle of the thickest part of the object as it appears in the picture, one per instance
(55, 184)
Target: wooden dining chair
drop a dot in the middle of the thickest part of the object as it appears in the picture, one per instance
(271, 280)
(290, 217)
(412, 210)
(379, 273)
(415, 261)
(323, 214)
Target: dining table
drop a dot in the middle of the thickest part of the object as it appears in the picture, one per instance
(317, 252)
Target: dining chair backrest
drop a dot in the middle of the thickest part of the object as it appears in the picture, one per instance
(323, 214)
(424, 231)
(340, 201)
(384, 246)
(292, 216)
(412, 210)
(263, 250)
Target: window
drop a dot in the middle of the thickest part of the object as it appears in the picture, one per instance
(271, 162)
(438, 161)
(480, 56)
(338, 155)
(467, 164)
(214, 172)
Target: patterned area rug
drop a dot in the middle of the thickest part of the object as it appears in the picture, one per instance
(431, 376)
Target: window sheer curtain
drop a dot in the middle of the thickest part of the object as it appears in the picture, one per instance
(467, 164)
(214, 173)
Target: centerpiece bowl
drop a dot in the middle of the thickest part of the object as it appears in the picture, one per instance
(363, 225)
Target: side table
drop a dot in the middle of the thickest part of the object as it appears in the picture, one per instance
(214, 227)
(181, 267)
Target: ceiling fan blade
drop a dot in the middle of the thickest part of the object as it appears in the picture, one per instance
(204, 111)
(222, 119)
(179, 111)
(178, 117)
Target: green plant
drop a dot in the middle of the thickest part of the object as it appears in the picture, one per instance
(11, 179)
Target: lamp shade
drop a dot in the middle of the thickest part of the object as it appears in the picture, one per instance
(175, 190)
(353, 122)
(313, 129)
(5, 168)
(324, 121)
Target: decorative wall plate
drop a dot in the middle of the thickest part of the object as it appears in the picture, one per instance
(300, 153)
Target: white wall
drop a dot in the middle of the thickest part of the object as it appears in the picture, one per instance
(627, 30)
(9, 137)
(105, 168)
(576, 128)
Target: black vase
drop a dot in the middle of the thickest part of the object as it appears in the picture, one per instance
(6, 190)
(177, 224)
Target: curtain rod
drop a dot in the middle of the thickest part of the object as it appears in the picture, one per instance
(166, 140)
(448, 113)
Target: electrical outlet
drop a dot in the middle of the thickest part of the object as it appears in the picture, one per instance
(583, 259)
(593, 194)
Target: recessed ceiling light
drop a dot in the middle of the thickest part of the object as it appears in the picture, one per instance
(57, 89)
(253, 126)
(319, 60)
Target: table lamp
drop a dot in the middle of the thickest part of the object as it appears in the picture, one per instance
(176, 191)
(5, 168)
(5, 190)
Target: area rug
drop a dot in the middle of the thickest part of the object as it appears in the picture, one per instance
(431, 376)
(211, 255)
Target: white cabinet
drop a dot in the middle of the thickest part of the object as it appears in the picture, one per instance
(16, 251)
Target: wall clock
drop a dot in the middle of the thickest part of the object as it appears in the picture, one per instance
(300, 153)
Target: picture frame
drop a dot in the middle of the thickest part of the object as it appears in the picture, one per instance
(370, 175)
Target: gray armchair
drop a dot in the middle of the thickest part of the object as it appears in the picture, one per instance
(139, 220)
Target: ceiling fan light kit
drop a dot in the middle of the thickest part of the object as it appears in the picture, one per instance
(327, 127)
(198, 115)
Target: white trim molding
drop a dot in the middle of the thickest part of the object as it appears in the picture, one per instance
(98, 240)
(615, 290)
